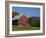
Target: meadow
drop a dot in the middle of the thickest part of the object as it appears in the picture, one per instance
(16, 28)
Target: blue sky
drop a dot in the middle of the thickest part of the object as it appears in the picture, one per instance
(28, 11)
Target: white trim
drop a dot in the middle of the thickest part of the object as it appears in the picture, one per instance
(24, 5)
(29, 31)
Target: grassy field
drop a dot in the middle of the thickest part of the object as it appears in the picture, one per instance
(16, 28)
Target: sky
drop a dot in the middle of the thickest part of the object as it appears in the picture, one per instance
(27, 11)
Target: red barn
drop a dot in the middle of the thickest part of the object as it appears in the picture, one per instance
(23, 21)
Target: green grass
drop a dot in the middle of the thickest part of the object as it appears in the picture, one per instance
(16, 28)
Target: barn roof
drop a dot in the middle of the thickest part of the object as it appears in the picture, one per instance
(17, 17)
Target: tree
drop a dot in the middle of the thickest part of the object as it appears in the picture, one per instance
(30, 21)
(14, 14)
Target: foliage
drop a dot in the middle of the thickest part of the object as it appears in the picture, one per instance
(35, 23)
(15, 22)
(14, 14)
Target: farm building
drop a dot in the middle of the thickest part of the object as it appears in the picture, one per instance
(23, 21)
(20, 20)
